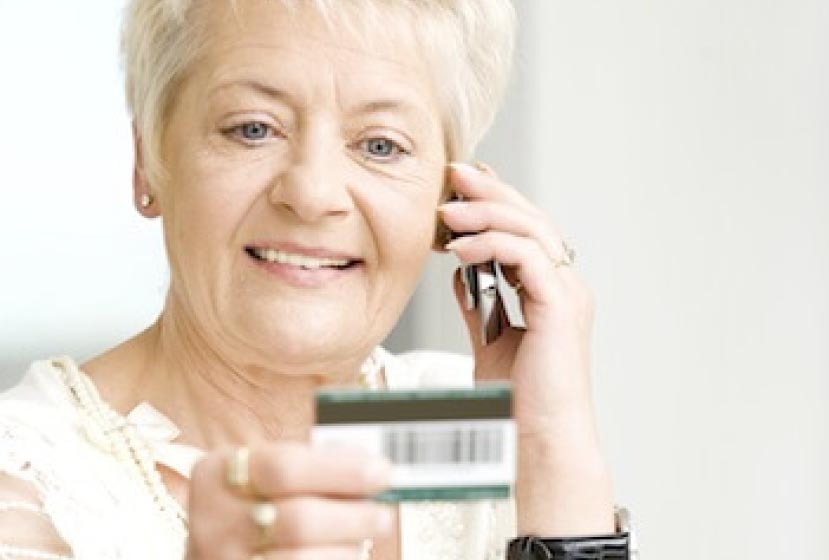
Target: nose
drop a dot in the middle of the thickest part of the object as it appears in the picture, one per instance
(311, 186)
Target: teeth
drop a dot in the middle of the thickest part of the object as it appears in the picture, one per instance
(274, 256)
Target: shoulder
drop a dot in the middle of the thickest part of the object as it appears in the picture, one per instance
(95, 505)
(39, 399)
(428, 368)
(38, 420)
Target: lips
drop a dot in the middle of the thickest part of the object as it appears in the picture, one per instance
(300, 257)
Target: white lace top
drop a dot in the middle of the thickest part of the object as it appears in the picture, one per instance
(64, 483)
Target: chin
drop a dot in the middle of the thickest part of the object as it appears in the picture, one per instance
(306, 340)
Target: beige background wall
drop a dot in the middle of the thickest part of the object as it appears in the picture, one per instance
(682, 145)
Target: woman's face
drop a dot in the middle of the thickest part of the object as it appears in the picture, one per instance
(304, 171)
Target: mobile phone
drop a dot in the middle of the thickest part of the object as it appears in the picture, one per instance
(482, 293)
(484, 286)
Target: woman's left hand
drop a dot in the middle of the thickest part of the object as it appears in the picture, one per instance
(563, 486)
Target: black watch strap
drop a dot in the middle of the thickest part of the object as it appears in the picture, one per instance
(611, 547)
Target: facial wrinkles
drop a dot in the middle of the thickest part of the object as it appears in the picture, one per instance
(264, 32)
(191, 295)
(332, 105)
(382, 193)
(322, 46)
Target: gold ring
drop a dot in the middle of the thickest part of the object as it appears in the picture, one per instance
(567, 259)
(264, 515)
(238, 470)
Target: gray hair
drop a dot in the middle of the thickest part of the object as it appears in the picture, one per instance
(469, 42)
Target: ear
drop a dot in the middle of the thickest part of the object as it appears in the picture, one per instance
(443, 234)
(141, 188)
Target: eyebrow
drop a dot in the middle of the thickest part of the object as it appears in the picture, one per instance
(264, 89)
(390, 105)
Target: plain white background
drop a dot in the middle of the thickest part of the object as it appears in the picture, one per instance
(682, 145)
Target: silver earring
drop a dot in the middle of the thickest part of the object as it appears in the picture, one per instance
(147, 200)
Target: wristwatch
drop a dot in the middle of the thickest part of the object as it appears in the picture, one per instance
(619, 546)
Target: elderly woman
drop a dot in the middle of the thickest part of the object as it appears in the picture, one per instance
(301, 155)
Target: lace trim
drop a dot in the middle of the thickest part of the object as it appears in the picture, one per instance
(23, 506)
(15, 553)
(24, 452)
(102, 424)
(21, 552)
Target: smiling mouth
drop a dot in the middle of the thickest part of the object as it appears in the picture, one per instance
(305, 262)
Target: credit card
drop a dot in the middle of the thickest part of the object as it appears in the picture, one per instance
(443, 444)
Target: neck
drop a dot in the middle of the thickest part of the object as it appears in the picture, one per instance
(213, 400)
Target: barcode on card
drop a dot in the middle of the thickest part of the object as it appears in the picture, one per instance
(458, 445)
(443, 444)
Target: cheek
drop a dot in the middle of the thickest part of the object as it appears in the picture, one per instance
(206, 203)
(409, 220)
(213, 192)
(403, 229)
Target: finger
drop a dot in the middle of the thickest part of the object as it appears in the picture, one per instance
(293, 468)
(315, 521)
(315, 553)
(542, 281)
(481, 215)
(475, 184)
(533, 268)
(288, 468)
(298, 522)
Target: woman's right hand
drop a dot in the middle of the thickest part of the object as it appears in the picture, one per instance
(321, 498)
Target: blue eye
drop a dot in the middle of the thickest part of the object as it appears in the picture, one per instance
(381, 148)
(254, 131)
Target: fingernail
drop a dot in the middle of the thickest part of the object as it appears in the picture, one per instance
(457, 243)
(452, 244)
(451, 206)
(463, 169)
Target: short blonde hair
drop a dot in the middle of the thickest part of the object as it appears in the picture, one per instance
(469, 42)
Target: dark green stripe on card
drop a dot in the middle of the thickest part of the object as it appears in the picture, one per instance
(354, 407)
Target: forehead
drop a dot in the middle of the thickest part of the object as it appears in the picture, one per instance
(264, 39)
